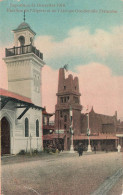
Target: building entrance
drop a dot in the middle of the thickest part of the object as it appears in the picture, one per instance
(5, 136)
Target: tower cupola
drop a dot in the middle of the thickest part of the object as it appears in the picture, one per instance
(24, 64)
(23, 35)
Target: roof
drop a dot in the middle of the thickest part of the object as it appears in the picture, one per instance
(23, 26)
(53, 136)
(99, 137)
(6, 93)
(17, 98)
(46, 113)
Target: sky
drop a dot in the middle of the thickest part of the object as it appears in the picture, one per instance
(85, 34)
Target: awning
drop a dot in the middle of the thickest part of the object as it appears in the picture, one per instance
(24, 102)
(53, 136)
(119, 135)
(99, 137)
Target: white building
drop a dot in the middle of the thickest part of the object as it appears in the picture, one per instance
(21, 111)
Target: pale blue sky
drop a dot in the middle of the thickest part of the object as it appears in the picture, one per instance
(58, 25)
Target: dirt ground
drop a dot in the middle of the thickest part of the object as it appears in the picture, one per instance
(60, 174)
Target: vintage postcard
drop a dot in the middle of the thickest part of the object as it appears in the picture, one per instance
(61, 97)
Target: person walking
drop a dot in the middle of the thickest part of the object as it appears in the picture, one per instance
(94, 149)
(80, 149)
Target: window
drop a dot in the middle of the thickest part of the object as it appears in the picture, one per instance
(61, 99)
(26, 127)
(21, 40)
(65, 99)
(31, 40)
(65, 118)
(60, 124)
(76, 99)
(64, 87)
(65, 127)
(37, 128)
(48, 120)
(61, 114)
(45, 120)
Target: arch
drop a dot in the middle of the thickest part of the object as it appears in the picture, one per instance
(5, 136)
(26, 127)
(37, 128)
(8, 117)
(21, 40)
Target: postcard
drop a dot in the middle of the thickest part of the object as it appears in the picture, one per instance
(61, 96)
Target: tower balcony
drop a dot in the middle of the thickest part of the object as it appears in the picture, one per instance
(23, 50)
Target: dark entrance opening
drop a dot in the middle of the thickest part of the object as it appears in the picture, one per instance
(5, 136)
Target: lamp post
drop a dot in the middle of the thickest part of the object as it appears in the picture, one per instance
(71, 131)
(88, 133)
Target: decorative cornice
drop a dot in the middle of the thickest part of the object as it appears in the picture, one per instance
(22, 79)
(29, 56)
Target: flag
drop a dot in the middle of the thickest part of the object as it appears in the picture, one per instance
(66, 67)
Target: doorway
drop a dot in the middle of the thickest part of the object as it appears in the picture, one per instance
(5, 136)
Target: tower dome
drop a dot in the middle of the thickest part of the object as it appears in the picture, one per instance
(23, 25)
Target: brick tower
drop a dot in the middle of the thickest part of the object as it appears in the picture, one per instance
(68, 96)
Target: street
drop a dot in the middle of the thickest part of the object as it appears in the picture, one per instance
(65, 174)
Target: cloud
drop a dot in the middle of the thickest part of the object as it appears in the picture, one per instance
(81, 40)
(99, 88)
(3, 71)
(49, 87)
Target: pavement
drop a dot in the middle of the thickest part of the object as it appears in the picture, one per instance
(63, 174)
(9, 159)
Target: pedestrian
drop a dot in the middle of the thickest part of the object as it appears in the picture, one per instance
(95, 149)
(80, 149)
(59, 147)
(119, 148)
(62, 147)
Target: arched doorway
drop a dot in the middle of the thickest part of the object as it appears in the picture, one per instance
(5, 136)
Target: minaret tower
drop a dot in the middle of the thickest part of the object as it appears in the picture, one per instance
(24, 64)
(68, 97)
